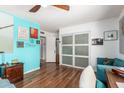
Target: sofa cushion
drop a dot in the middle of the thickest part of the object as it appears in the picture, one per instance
(4, 83)
(99, 84)
(118, 62)
(108, 61)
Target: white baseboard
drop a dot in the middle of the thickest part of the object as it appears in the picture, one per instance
(32, 70)
(73, 66)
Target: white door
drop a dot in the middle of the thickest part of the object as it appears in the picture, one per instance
(81, 48)
(50, 48)
(75, 50)
(67, 50)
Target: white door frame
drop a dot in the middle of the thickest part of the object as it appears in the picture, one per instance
(45, 46)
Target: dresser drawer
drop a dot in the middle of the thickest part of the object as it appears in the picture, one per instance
(14, 73)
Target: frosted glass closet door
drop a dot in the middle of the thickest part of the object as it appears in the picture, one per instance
(81, 50)
(75, 50)
(67, 50)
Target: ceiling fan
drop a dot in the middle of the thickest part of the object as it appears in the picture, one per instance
(37, 7)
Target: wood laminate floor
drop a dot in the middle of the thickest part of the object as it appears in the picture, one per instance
(51, 76)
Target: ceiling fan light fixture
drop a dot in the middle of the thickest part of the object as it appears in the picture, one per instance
(64, 7)
(44, 5)
(35, 8)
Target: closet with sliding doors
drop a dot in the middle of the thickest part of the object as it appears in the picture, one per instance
(75, 49)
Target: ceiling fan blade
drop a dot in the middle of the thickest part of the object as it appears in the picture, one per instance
(35, 8)
(65, 7)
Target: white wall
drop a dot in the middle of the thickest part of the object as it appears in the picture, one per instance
(121, 56)
(50, 46)
(109, 49)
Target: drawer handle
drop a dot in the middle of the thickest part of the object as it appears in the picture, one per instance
(7, 76)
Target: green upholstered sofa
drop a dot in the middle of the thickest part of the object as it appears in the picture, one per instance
(4, 83)
(101, 68)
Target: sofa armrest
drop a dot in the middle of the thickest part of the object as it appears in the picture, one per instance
(101, 72)
(100, 61)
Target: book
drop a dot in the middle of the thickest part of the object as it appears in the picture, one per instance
(120, 84)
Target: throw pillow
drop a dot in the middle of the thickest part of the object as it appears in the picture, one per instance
(99, 84)
(108, 61)
(118, 62)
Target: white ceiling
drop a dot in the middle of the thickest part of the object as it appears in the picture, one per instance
(51, 18)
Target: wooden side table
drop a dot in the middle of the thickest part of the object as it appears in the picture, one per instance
(13, 72)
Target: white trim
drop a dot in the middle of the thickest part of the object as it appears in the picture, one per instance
(60, 49)
(67, 44)
(67, 55)
(45, 47)
(82, 32)
(32, 70)
(81, 56)
(72, 66)
(71, 34)
(89, 47)
(67, 65)
(79, 67)
(81, 44)
(73, 60)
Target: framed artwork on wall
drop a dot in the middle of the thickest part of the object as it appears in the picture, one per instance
(38, 42)
(97, 41)
(33, 33)
(22, 33)
(20, 44)
(110, 35)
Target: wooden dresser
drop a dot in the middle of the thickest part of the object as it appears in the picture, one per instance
(14, 72)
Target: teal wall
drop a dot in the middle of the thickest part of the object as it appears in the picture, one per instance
(30, 54)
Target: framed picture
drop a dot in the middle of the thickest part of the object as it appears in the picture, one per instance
(20, 44)
(110, 35)
(33, 33)
(22, 33)
(97, 41)
(38, 42)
